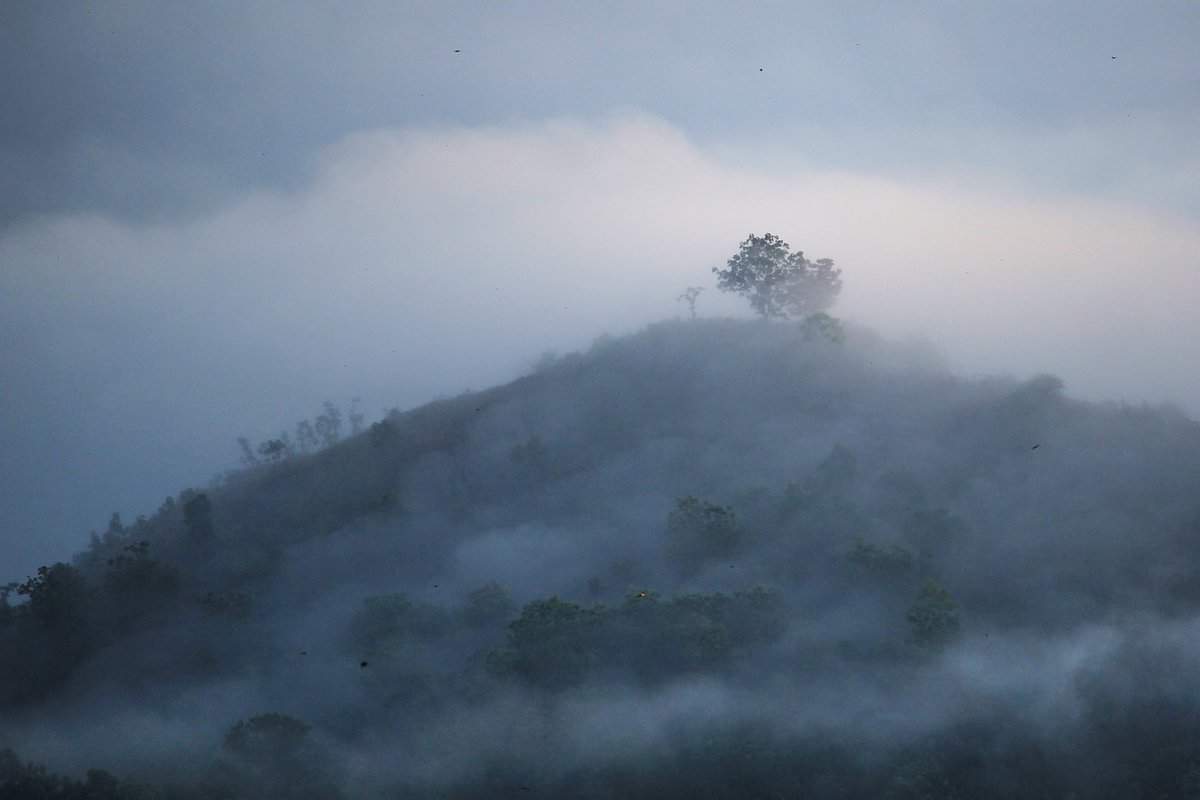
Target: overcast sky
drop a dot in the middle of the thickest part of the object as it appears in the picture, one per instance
(213, 216)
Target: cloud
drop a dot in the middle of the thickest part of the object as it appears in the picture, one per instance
(425, 261)
(156, 113)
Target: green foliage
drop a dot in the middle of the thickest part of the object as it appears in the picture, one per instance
(684, 635)
(126, 569)
(891, 562)
(382, 434)
(777, 282)
(356, 416)
(22, 781)
(273, 451)
(698, 531)
(273, 755)
(552, 643)
(821, 501)
(821, 327)
(267, 737)
(58, 597)
(46, 639)
(488, 605)
(197, 517)
(328, 425)
(322, 431)
(659, 640)
(749, 618)
(136, 585)
(707, 423)
(531, 457)
(933, 617)
(306, 437)
(555, 644)
(249, 458)
(7, 613)
(385, 622)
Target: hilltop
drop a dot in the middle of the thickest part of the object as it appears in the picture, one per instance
(721, 557)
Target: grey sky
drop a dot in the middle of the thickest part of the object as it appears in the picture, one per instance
(148, 108)
(214, 216)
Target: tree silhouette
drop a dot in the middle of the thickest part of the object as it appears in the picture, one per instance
(689, 296)
(197, 517)
(778, 282)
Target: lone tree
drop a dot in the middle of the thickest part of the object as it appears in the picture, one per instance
(778, 282)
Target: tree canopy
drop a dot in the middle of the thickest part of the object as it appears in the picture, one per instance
(778, 282)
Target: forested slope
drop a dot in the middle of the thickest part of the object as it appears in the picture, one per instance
(714, 558)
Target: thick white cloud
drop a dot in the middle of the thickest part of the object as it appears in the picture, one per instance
(426, 261)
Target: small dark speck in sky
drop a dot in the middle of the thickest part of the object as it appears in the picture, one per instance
(1114, 58)
(760, 69)
(458, 51)
(362, 665)
(1035, 447)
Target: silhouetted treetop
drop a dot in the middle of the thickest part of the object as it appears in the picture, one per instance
(778, 282)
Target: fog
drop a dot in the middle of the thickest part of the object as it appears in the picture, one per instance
(626, 637)
(425, 262)
(213, 220)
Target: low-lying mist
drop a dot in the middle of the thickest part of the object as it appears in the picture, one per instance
(715, 558)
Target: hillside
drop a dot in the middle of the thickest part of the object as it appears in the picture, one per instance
(715, 558)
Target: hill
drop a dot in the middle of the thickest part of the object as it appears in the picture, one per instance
(715, 558)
